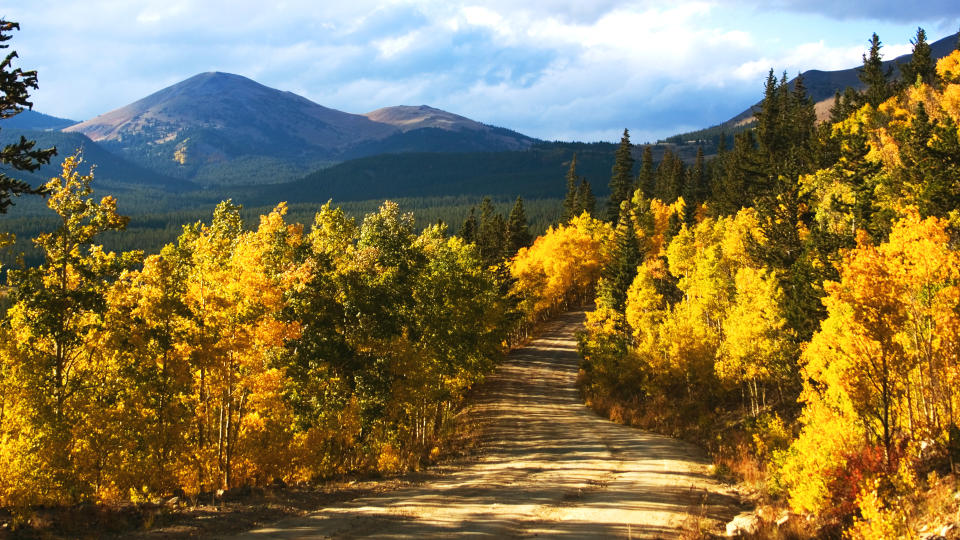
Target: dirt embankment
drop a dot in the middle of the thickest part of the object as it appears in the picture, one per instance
(550, 468)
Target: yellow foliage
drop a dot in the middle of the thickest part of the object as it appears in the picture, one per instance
(948, 68)
(878, 371)
(950, 101)
(687, 347)
(876, 522)
(562, 265)
(661, 213)
(389, 459)
(645, 307)
(756, 343)
(809, 466)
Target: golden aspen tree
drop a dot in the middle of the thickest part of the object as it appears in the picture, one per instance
(149, 338)
(756, 343)
(879, 368)
(265, 266)
(235, 294)
(54, 360)
(208, 249)
(562, 266)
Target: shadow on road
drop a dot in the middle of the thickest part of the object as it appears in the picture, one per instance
(550, 468)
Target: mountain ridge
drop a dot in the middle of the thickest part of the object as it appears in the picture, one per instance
(222, 128)
(29, 119)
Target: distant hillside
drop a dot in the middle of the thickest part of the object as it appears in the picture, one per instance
(408, 118)
(423, 120)
(535, 173)
(219, 128)
(29, 119)
(433, 139)
(821, 86)
(112, 171)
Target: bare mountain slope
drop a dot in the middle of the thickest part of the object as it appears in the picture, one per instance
(409, 117)
(213, 121)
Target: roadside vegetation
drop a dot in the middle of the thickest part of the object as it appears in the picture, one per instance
(801, 320)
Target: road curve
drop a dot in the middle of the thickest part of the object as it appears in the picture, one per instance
(550, 468)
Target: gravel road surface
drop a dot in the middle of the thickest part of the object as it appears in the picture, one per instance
(549, 468)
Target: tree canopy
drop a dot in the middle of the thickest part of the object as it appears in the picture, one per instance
(15, 84)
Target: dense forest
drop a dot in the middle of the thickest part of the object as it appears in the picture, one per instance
(243, 356)
(150, 231)
(802, 316)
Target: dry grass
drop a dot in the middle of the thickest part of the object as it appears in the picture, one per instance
(697, 526)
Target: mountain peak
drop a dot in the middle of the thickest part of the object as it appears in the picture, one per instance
(218, 100)
(411, 117)
(218, 79)
(213, 126)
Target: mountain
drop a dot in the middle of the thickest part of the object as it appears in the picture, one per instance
(212, 122)
(408, 118)
(426, 129)
(821, 87)
(29, 119)
(220, 128)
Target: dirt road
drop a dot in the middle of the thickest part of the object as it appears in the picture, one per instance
(550, 468)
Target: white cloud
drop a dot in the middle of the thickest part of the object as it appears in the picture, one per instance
(551, 68)
(391, 47)
(481, 16)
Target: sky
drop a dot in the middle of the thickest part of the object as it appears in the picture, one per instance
(553, 69)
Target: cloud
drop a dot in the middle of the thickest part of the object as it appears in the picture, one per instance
(556, 69)
(877, 10)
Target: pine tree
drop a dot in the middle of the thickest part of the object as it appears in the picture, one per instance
(929, 172)
(620, 272)
(874, 76)
(669, 177)
(801, 127)
(662, 181)
(769, 115)
(738, 175)
(695, 188)
(14, 98)
(679, 175)
(491, 233)
(843, 105)
(570, 201)
(585, 201)
(921, 66)
(647, 177)
(518, 234)
(468, 231)
(621, 180)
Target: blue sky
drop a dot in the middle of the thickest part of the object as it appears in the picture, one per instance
(554, 69)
